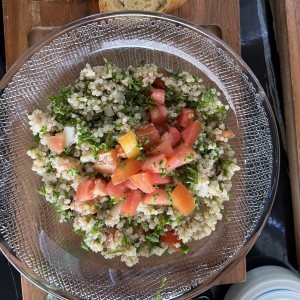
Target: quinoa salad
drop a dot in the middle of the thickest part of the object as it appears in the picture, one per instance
(138, 159)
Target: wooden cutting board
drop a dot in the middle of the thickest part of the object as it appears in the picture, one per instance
(287, 25)
(26, 21)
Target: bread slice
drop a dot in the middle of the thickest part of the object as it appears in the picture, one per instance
(164, 6)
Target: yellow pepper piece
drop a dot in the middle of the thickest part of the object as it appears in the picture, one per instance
(129, 144)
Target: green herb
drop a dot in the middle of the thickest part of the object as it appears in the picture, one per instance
(140, 145)
(184, 249)
(107, 64)
(84, 246)
(162, 286)
(112, 201)
(164, 220)
(198, 199)
(72, 171)
(189, 157)
(141, 157)
(222, 111)
(60, 106)
(163, 172)
(137, 95)
(36, 138)
(189, 174)
(224, 163)
(109, 140)
(152, 238)
(96, 227)
(227, 219)
(49, 168)
(176, 75)
(67, 194)
(42, 190)
(179, 219)
(126, 240)
(67, 151)
(122, 198)
(174, 95)
(80, 232)
(142, 63)
(123, 164)
(43, 130)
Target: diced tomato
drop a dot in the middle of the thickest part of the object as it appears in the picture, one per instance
(182, 155)
(186, 117)
(226, 134)
(157, 179)
(155, 164)
(110, 236)
(158, 197)
(163, 148)
(128, 184)
(57, 142)
(142, 181)
(148, 134)
(164, 72)
(85, 191)
(159, 83)
(158, 96)
(190, 133)
(116, 190)
(129, 144)
(173, 163)
(183, 200)
(127, 168)
(130, 205)
(100, 188)
(172, 240)
(65, 163)
(120, 152)
(173, 135)
(158, 114)
(107, 162)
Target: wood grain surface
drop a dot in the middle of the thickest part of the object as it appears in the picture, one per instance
(27, 21)
(287, 24)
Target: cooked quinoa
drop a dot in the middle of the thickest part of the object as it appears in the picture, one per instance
(104, 104)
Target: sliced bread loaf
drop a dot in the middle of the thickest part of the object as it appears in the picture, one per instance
(164, 6)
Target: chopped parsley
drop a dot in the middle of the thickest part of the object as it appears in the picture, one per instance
(162, 286)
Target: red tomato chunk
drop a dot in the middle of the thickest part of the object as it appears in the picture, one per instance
(116, 190)
(155, 164)
(183, 200)
(163, 148)
(159, 83)
(85, 191)
(127, 168)
(173, 135)
(172, 240)
(158, 96)
(157, 179)
(148, 134)
(142, 181)
(158, 197)
(130, 205)
(107, 163)
(186, 117)
(191, 133)
(100, 188)
(182, 155)
(158, 114)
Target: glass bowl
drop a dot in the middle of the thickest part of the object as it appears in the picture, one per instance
(48, 252)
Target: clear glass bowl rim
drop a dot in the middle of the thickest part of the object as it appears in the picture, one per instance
(42, 284)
